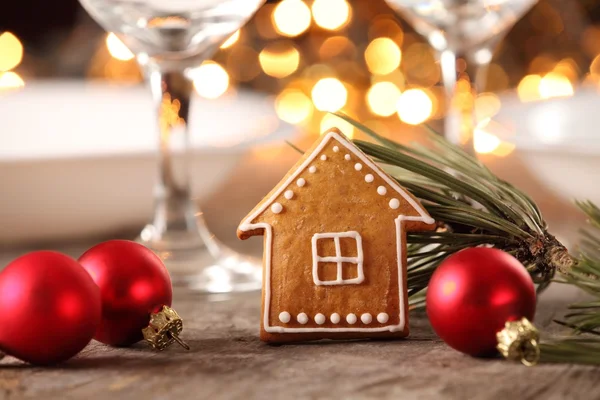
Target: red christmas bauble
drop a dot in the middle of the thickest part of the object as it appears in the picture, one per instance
(49, 306)
(473, 293)
(133, 284)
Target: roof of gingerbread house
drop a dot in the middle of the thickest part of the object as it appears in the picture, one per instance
(307, 162)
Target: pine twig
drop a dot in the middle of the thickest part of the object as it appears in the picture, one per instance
(475, 206)
(583, 318)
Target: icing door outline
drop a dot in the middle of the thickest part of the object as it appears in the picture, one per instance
(339, 259)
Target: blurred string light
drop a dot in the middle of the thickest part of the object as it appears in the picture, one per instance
(555, 84)
(331, 14)
(382, 98)
(486, 142)
(331, 121)
(527, 89)
(11, 55)
(117, 48)
(210, 80)
(291, 17)
(231, 40)
(595, 67)
(420, 66)
(242, 63)
(535, 87)
(11, 51)
(293, 106)
(329, 94)
(337, 46)
(383, 56)
(10, 81)
(414, 107)
(487, 105)
(279, 59)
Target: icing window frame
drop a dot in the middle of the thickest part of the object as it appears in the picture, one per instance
(339, 259)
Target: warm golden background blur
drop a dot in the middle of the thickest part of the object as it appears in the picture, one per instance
(325, 55)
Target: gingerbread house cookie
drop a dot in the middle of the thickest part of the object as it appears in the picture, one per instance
(335, 247)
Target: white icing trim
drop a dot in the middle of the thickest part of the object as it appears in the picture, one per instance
(347, 157)
(312, 169)
(394, 203)
(300, 182)
(366, 318)
(358, 166)
(289, 194)
(285, 317)
(382, 318)
(276, 208)
(248, 225)
(381, 190)
(320, 319)
(324, 157)
(339, 259)
(369, 178)
(351, 319)
(335, 318)
(336, 149)
(302, 318)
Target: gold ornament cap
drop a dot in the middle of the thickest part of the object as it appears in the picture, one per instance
(519, 341)
(164, 329)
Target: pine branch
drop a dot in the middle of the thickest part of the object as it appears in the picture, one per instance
(475, 207)
(584, 317)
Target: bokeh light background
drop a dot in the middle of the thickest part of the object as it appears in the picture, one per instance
(317, 56)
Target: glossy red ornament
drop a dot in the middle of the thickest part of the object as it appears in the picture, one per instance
(133, 284)
(49, 307)
(473, 293)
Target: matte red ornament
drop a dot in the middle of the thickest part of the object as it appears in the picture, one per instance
(133, 283)
(473, 293)
(49, 306)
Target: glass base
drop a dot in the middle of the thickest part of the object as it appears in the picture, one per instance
(200, 271)
(203, 264)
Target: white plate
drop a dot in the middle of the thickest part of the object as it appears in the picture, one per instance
(79, 159)
(558, 141)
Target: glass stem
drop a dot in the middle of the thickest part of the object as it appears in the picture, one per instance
(460, 75)
(174, 223)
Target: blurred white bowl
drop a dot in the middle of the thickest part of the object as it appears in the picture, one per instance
(558, 140)
(80, 158)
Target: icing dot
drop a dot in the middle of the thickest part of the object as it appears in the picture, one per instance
(312, 169)
(302, 318)
(285, 317)
(347, 157)
(358, 166)
(323, 157)
(394, 203)
(320, 319)
(369, 178)
(335, 318)
(366, 318)
(382, 318)
(381, 190)
(288, 194)
(301, 182)
(276, 208)
(336, 149)
(351, 319)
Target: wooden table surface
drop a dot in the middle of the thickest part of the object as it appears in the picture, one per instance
(227, 361)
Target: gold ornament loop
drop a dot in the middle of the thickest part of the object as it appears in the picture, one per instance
(519, 341)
